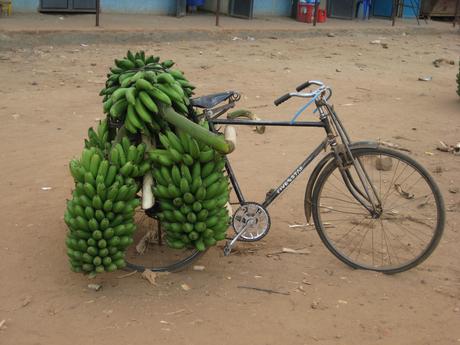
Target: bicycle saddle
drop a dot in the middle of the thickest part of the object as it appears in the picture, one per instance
(210, 101)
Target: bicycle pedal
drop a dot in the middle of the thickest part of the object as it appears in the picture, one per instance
(227, 249)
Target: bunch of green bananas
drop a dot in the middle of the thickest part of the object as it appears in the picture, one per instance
(100, 214)
(99, 138)
(129, 159)
(144, 95)
(138, 85)
(192, 191)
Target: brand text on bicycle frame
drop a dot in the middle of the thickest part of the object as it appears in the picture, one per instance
(289, 180)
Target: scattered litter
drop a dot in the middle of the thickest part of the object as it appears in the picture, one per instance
(46, 188)
(249, 38)
(83, 45)
(394, 146)
(95, 287)
(153, 276)
(438, 62)
(428, 153)
(300, 289)
(299, 225)
(185, 287)
(236, 38)
(375, 42)
(61, 18)
(107, 312)
(2, 324)
(330, 34)
(141, 246)
(425, 78)
(317, 304)
(176, 312)
(164, 322)
(198, 268)
(306, 282)
(270, 291)
(338, 70)
(454, 190)
(347, 104)
(442, 146)
(295, 251)
(302, 251)
(403, 193)
(127, 275)
(26, 301)
(341, 301)
(15, 116)
(257, 277)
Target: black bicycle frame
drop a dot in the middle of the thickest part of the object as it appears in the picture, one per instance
(272, 194)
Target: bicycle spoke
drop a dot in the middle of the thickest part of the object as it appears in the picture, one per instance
(391, 183)
(402, 244)
(345, 201)
(355, 226)
(340, 211)
(407, 202)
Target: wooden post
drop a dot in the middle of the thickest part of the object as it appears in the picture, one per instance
(98, 10)
(457, 6)
(315, 12)
(218, 12)
(394, 12)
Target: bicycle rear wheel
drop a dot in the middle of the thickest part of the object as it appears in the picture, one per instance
(150, 250)
(409, 226)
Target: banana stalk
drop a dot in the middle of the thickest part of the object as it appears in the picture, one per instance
(197, 132)
(248, 114)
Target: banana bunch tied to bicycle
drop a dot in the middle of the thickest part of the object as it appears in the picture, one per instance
(147, 135)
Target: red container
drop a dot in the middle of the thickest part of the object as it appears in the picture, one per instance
(321, 16)
(305, 12)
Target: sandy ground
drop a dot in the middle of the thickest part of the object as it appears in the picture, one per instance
(48, 100)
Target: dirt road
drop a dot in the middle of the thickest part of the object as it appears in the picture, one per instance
(48, 100)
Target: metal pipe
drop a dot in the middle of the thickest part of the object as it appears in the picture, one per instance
(315, 12)
(98, 9)
(457, 6)
(218, 12)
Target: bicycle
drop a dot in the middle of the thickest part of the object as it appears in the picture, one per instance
(354, 192)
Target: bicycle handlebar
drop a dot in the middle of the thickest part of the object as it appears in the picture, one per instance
(301, 87)
(282, 99)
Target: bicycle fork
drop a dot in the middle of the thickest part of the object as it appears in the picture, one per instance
(369, 197)
(345, 159)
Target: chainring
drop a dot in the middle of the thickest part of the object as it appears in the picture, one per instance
(256, 214)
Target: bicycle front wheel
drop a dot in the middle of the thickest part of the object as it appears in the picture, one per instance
(405, 231)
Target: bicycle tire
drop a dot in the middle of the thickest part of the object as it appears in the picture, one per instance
(395, 157)
(172, 266)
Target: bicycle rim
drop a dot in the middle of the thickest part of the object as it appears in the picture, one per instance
(402, 236)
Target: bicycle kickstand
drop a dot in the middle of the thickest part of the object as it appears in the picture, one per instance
(229, 245)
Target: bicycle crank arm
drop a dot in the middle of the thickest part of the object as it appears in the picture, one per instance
(229, 245)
